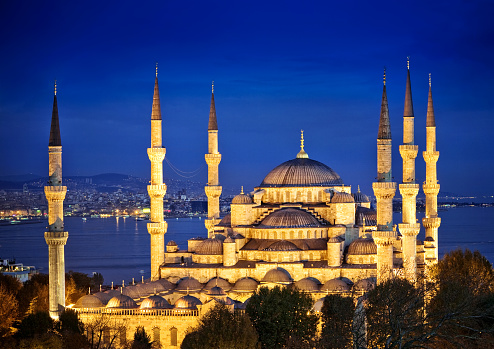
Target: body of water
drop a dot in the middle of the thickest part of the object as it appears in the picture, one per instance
(119, 249)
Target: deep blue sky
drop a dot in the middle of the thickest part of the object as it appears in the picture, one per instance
(278, 67)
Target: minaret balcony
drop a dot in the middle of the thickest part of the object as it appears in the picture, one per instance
(54, 149)
(409, 189)
(384, 190)
(431, 188)
(409, 151)
(431, 222)
(54, 238)
(213, 191)
(157, 228)
(55, 193)
(430, 156)
(156, 154)
(213, 159)
(157, 190)
(409, 229)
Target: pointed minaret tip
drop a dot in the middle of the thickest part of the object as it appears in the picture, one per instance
(156, 110)
(431, 119)
(384, 131)
(55, 140)
(408, 62)
(408, 110)
(55, 87)
(213, 123)
(384, 77)
(156, 69)
(302, 154)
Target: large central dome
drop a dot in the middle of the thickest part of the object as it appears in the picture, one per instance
(301, 172)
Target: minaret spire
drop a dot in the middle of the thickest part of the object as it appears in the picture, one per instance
(302, 154)
(409, 228)
(55, 237)
(213, 159)
(431, 120)
(157, 189)
(384, 191)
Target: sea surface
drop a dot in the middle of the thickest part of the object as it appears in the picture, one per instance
(119, 248)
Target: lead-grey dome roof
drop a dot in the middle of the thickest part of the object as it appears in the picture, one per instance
(301, 172)
(289, 218)
(362, 246)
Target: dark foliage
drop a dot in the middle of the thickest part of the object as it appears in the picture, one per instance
(337, 315)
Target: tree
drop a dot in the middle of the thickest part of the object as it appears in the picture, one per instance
(279, 314)
(141, 339)
(33, 296)
(8, 311)
(337, 315)
(103, 332)
(221, 328)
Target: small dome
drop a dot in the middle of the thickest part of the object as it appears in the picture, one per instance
(277, 275)
(360, 197)
(364, 285)
(242, 198)
(362, 246)
(131, 291)
(165, 285)
(187, 302)
(155, 302)
(89, 301)
(188, 284)
(146, 289)
(341, 197)
(210, 247)
(218, 282)
(301, 172)
(216, 291)
(318, 305)
(334, 240)
(308, 284)
(245, 284)
(171, 243)
(282, 245)
(289, 218)
(121, 301)
(335, 285)
(104, 297)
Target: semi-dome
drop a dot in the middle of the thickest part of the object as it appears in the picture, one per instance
(188, 284)
(282, 245)
(301, 172)
(335, 285)
(308, 284)
(289, 218)
(210, 247)
(362, 246)
(155, 302)
(277, 275)
(245, 284)
(122, 302)
(342, 197)
(187, 302)
(89, 301)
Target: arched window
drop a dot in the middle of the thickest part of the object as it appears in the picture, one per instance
(156, 335)
(309, 196)
(299, 197)
(287, 196)
(173, 337)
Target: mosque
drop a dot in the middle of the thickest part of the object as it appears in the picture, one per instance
(302, 226)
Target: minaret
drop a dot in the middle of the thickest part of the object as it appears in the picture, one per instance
(384, 191)
(157, 189)
(409, 229)
(55, 237)
(213, 158)
(431, 221)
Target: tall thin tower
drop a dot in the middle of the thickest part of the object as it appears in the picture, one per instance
(213, 159)
(384, 191)
(409, 229)
(55, 237)
(157, 189)
(431, 221)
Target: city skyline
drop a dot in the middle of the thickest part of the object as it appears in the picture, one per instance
(277, 70)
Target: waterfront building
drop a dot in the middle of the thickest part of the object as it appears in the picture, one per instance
(301, 226)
